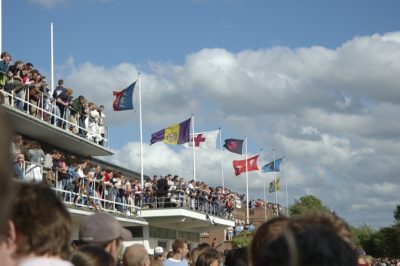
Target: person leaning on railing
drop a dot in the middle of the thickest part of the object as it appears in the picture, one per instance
(77, 108)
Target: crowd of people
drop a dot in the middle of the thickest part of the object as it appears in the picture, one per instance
(87, 183)
(25, 88)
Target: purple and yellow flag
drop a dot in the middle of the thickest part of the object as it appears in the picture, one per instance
(174, 134)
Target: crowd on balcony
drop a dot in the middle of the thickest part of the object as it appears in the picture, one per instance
(86, 183)
(25, 88)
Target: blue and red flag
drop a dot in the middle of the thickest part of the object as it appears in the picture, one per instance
(123, 99)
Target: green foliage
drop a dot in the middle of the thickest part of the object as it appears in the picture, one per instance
(382, 243)
(362, 235)
(242, 239)
(396, 213)
(307, 203)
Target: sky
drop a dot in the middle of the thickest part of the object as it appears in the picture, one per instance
(316, 81)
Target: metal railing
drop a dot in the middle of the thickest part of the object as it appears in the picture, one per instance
(46, 110)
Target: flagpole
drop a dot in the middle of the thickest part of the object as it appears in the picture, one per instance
(141, 132)
(222, 161)
(287, 197)
(194, 152)
(51, 58)
(247, 187)
(265, 197)
(276, 192)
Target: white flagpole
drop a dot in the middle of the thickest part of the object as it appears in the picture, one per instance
(222, 161)
(265, 197)
(194, 152)
(287, 197)
(276, 185)
(141, 132)
(51, 58)
(247, 186)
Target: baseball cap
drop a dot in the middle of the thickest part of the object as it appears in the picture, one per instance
(158, 251)
(102, 227)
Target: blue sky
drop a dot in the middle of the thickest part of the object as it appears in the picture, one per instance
(316, 80)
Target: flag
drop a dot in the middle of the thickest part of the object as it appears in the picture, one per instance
(240, 165)
(274, 166)
(204, 140)
(274, 186)
(174, 134)
(123, 99)
(234, 145)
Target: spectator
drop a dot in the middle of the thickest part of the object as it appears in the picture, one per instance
(159, 257)
(77, 108)
(18, 167)
(136, 255)
(35, 153)
(103, 230)
(63, 100)
(43, 239)
(17, 84)
(209, 257)
(180, 250)
(266, 233)
(102, 128)
(162, 191)
(90, 255)
(17, 146)
(195, 253)
(236, 257)
(313, 239)
(5, 60)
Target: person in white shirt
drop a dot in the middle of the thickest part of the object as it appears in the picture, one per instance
(180, 250)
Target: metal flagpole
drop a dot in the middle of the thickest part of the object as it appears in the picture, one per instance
(265, 197)
(194, 152)
(141, 132)
(222, 161)
(276, 192)
(287, 197)
(52, 58)
(247, 186)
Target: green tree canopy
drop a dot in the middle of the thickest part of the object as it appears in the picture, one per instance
(396, 213)
(307, 203)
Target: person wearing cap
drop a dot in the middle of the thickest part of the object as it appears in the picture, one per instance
(104, 230)
(136, 255)
(159, 257)
(180, 250)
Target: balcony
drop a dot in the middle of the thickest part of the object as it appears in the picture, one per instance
(39, 127)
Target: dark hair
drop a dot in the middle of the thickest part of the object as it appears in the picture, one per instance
(312, 246)
(60, 82)
(41, 220)
(208, 257)
(266, 233)
(236, 257)
(90, 255)
(5, 169)
(178, 244)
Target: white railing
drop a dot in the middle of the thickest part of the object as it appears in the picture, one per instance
(46, 110)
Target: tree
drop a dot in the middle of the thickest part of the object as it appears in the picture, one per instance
(307, 203)
(396, 213)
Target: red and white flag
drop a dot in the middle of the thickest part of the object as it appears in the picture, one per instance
(203, 140)
(240, 165)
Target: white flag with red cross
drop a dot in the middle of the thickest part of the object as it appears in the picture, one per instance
(203, 140)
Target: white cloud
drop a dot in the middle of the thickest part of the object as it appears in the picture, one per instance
(332, 113)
